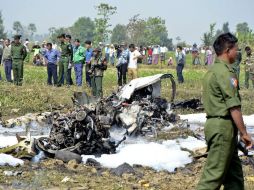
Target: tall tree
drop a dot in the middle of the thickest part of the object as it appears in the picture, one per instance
(242, 28)
(2, 33)
(104, 11)
(178, 39)
(208, 37)
(156, 31)
(32, 29)
(135, 30)
(51, 31)
(225, 27)
(119, 34)
(17, 26)
(83, 29)
(244, 34)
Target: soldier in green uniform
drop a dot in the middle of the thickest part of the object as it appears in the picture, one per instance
(249, 67)
(65, 59)
(98, 66)
(222, 105)
(18, 55)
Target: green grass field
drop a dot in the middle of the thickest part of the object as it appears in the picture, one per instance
(36, 96)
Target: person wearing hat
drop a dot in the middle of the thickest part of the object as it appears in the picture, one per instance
(98, 66)
(66, 55)
(18, 55)
(78, 60)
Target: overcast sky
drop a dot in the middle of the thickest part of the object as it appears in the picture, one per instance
(188, 19)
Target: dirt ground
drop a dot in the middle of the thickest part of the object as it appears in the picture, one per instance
(50, 174)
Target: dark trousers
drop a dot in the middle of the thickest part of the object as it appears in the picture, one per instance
(107, 57)
(78, 68)
(121, 74)
(52, 72)
(69, 79)
(17, 66)
(97, 86)
(7, 69)
(179, 71)
(88, 77)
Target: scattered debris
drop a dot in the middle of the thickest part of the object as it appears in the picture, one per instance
(67, 179)
(144, 183)
(138, 108)
(21, 150)
(124, 168)
(92, 162)
(72, 164)
(67, 156)
(188, 104)
(12, 173)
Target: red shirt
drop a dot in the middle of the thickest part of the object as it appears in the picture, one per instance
(150, 52)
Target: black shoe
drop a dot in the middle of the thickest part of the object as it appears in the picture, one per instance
(59, 85)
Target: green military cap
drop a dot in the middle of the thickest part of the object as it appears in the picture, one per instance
(17, 37)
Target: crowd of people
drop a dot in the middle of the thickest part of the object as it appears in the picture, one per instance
(60, 59)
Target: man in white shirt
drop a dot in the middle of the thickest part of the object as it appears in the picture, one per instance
(133, 66)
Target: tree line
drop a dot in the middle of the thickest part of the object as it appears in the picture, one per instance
(243, 32)
(140, 31)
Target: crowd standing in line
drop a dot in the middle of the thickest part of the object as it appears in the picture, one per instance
(61, 57)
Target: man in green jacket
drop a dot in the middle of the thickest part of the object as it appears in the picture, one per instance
(18, 55)
(222, 105)
(78, 60)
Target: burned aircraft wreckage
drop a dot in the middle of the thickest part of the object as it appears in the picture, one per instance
(138, 108)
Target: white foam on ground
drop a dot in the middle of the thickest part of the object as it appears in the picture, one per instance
(12, 130)
(165, 156)
(7, 141)
(200, 118)
(249, 120)
(6, 159)
(191, 143)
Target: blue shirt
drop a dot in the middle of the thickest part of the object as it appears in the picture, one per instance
(107, 50)
(124, 56)
(52, 56)
(89, 54)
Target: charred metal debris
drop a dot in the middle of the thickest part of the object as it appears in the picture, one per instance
(137, 107)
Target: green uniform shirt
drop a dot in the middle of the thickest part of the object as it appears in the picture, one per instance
(18, 51)
(220, 90)
(249, 64)
(66, 50)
